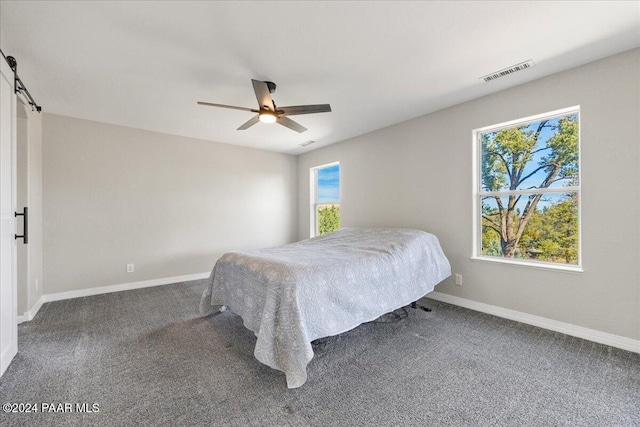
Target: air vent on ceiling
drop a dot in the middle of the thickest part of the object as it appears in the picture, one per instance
(510, 70)
(304, 144)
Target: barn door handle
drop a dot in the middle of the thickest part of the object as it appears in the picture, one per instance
(25, 215)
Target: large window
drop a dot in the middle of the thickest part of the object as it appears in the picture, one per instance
(325, 199)
(527, 191)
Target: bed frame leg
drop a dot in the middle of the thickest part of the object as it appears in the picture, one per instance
(422, 307)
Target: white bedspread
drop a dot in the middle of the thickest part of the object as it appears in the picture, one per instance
(293, 294)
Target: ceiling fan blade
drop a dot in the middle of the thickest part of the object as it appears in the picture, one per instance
(228, 106)
(252, 121)
(287, 122)
(305, 109)
(263, 95)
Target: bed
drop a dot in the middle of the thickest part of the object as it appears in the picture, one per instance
(294, 294)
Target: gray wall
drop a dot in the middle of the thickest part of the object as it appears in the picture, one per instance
(419, 174)
(170, 205)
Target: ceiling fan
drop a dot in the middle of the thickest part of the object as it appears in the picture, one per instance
(269, 113)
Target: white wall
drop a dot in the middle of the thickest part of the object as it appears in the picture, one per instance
(29, 160)
(170, 205)
(22, 199)
(419, 174)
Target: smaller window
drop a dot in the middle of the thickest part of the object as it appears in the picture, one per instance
(325, 199)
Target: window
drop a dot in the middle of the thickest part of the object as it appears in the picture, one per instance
(527, 191)
(325, 199)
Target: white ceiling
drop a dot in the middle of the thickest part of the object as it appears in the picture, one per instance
(145, 64)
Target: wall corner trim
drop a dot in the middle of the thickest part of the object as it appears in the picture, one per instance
(29, 315)
(541, 322)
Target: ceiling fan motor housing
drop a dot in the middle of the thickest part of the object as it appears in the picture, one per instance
(271, 86)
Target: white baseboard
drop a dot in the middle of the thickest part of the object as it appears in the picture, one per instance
(29, 315)
(530, 319)
(542, 322)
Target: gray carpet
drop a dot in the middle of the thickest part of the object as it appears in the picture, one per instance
(146, 357)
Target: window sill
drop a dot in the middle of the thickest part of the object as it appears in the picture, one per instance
(531, 264)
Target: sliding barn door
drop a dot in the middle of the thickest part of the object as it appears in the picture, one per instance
(8, 278)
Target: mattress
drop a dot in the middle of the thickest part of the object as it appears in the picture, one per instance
(293, 294)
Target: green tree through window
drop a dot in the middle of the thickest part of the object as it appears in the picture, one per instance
(328, 219)
(529, 190)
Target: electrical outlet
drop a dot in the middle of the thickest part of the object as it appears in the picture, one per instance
(130, 268)
(459, 279)
(36, 284)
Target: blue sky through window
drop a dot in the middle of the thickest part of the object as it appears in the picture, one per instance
(329, 184)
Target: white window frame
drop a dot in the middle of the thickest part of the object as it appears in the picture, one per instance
(478, 193)
(313, 180)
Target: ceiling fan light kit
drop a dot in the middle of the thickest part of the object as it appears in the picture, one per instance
(267, 117)
(269, 113)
